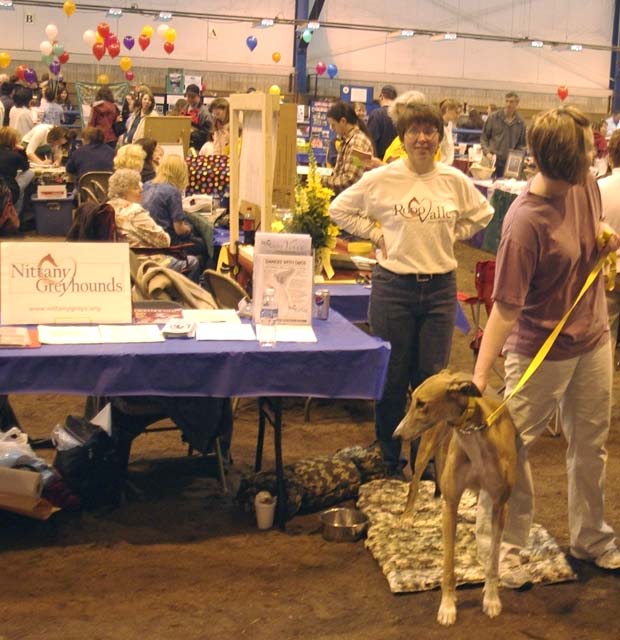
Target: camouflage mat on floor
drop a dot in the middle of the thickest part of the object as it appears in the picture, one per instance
(411, 557)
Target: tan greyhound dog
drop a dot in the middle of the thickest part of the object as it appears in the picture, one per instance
(479, 457)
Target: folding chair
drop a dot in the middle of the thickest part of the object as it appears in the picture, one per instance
(93, 186)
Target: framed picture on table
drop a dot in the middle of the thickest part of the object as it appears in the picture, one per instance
(514, 164)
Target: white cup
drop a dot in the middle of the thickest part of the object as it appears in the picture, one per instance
(265, 507)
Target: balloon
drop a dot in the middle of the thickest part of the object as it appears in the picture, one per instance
(168, 47)
(161, 30)
(103, 29)
(114, 48)
(100, 39)
(171, 35)
(63, 58)
(58, 49)
(129, 75)
(47, 59)
(276, 56)
(69, 7)
(98, 50)
(45, 48)
(5, 59)
(562, 92)
(320, 68)
(54, 67)
(21, 69)
(332, 70)
(251, 41)
(30, 75)
(51, 31)
(306, 36)
(147, 31)
(274, 90)
(129, 42)
(144, 41)
(125, 63)
(103, 78)
(89, 37)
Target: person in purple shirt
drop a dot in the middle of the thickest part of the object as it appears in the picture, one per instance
(93, 155)
(163, 198)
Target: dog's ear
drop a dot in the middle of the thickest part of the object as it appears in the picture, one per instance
(465, 388)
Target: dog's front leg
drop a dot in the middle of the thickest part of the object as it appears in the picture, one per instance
(447, 609)
(491, 603)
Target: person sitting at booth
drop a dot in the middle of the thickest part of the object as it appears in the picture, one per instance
(137, 226)
(93, 155)
(154, 154)
(14, 166)
(20, 116)
(44, 144)
(130, 156)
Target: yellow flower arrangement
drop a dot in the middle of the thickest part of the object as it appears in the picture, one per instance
(311, 216)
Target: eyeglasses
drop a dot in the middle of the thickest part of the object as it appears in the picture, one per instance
(428, 132)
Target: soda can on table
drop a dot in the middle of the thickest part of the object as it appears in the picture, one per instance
(321, 304)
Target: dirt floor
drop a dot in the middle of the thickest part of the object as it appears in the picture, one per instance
(181, 560)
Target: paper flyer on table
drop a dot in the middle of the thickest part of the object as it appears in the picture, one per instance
(211, 315)
(225, 331)
(292, 278)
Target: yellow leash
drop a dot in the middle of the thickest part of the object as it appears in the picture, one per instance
(548, 343)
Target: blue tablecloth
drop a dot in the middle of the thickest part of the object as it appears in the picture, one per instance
(344, 363)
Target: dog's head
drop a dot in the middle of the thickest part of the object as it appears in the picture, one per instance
(442, 397)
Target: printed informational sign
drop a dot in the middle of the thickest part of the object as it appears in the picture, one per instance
(175, 81)
(65, 283)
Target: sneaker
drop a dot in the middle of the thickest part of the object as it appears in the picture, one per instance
(610, 559)
(514, 576)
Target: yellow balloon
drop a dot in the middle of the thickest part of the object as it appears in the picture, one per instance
(147, 31)
(276, 56)
(103, 78)
(99, 39)
(69, 7)
(171, 35)
(125, 63)
(5, 59)
(274, 90)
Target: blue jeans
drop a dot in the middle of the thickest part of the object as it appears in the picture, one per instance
(416, 315)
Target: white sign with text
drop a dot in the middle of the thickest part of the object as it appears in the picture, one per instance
(65, 283)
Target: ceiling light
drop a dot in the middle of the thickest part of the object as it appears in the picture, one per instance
(265, 23)
(164, 16)
(576, 47)
(313, 26)
(7, 5)
(115, 13)
(402, 33)
(529, 44)
(565, 46)
(443, 37)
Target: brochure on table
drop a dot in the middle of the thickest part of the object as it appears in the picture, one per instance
(65, 283)
(284, 262)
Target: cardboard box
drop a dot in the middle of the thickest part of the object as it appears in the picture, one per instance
(50, 191)
(53, 217)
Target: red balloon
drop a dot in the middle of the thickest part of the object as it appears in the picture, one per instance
(114, 48)
(129, 75)
(144, 42)
(320, 68)
(562, 92)
(20, 71)
(63, 58)
(168, 47)
(103, 29)
(98, 50)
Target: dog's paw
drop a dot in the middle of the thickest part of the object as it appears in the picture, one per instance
(447, 612)
(491, 606)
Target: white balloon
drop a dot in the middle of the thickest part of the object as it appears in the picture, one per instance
(89, 37)
(46, 48)
(51, 31)
(162, 29)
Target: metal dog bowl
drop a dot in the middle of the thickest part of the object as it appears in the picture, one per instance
(343, 524)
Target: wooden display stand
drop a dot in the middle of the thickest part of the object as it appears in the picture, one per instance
(262, 166)
(169, 129)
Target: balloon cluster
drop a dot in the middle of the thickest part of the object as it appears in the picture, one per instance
(53, 53)
(321, 68)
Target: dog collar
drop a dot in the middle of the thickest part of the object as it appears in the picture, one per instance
(465, 424)
(472, 427)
